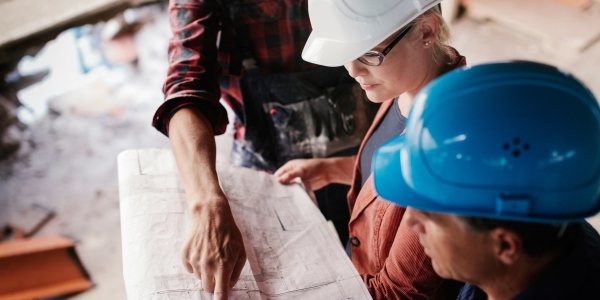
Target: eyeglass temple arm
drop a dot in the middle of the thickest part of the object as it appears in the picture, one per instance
(390, 46)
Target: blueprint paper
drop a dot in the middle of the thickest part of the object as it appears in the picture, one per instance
(292, 253)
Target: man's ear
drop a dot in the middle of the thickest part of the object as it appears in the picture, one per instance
(429, 29)
(508, 245)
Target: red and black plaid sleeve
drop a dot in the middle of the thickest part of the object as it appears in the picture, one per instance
(193, 73)
(277, 31)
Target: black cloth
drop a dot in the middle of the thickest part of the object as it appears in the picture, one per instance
(392, 125)
(333, 204)
(575, 276)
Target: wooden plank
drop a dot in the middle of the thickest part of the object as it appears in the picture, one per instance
(59, 288)
(26, 25)
(41, 267)
(547, 19)
(27, 17)
(28, 246)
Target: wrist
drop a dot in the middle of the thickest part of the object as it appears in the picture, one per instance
(340, 169)
(203, 201)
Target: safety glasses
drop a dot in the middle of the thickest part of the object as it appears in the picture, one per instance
(375, 58)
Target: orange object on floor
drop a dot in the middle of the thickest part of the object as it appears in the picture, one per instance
(41, 267)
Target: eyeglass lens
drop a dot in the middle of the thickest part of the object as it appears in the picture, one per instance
(375, 58)
(371, 59)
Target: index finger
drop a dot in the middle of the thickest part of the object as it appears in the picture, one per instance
(222, 277)
(281, 170)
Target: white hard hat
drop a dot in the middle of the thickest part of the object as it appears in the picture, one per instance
(343, 30)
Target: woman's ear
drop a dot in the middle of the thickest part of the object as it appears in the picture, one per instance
(508, 245)
(429, 29)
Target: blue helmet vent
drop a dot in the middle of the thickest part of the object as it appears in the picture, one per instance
(516, 147)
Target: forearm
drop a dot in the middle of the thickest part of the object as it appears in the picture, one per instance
(214, 247)
(341, 169)
(193, 144)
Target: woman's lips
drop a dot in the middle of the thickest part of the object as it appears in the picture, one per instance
(367, 87)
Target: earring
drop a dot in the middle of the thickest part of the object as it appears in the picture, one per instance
(427, 43)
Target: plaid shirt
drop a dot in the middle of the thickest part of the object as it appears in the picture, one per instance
(203, 65)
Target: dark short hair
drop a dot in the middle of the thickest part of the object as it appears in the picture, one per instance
(538, 238)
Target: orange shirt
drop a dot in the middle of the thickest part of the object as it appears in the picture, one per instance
(385, 251)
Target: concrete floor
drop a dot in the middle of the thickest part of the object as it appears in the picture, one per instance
(70, 166)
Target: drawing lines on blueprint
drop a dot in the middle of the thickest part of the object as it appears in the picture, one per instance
(178, 286)
(184, 286)
(281, 243)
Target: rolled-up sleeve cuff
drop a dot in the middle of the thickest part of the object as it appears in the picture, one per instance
(213, 111)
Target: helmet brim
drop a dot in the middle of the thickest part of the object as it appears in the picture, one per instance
(331, 53)
(391, 185)
(387, 176)
(340, 35)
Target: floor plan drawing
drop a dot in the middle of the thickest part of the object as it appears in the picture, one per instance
(292, 253)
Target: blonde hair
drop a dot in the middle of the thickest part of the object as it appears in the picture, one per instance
(441, 45)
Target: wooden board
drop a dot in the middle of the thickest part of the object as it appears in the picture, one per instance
(28, 17)
(40, 268)
(27, 24)
(549, 20)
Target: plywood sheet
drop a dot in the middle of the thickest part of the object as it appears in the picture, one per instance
(27, 17)
(38, 268)
(26, 25)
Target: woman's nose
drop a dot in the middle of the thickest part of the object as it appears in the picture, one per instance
(411, 217)
(355, 68)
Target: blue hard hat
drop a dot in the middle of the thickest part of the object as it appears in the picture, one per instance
(510, 140)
